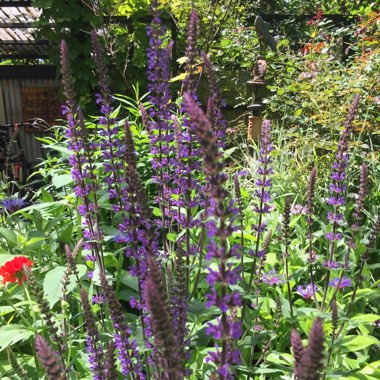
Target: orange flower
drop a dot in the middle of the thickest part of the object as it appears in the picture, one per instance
(13, 271)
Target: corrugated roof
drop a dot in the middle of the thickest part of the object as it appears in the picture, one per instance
(17, 33)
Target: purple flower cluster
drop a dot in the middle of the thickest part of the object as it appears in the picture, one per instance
(11, 205)
(273, 278)
(82, 163)
(337, 186)
(160, 127)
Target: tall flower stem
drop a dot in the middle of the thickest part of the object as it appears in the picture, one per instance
(338, 187)
(286, 253)
(310, 211)
(373, 236)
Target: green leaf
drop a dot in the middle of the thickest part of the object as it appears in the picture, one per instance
(353, 343)
(53, 283)
(66, 234)
(6, 257)
(10, 236)
(128, 280)
(11, 334)
(61, 180)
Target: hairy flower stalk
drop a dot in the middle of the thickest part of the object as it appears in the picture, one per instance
(310, 213)
(298, 351)
(164, 336)
(334, 323)
(214, 109)
(286, 229)
(127, 349)
(16, 368)
(239, 200)
(262, 194)
(311, 363)
(190, 83)
(94, 346)
(81, 161)
(219, 230)
(48, 359)
(375, 231)
(46, 312)
(338, 187)
(360, 201)
(110, 362)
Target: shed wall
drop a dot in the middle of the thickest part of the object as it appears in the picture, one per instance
(13, 113)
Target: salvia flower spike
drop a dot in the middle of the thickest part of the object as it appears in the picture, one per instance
(49, 360)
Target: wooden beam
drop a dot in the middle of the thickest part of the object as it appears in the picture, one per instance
(28, 71)
(15, 3)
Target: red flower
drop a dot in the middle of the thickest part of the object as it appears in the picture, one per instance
(13, 271)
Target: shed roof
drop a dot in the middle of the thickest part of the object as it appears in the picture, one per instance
(17, 32)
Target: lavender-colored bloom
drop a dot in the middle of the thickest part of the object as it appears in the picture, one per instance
(341, 284)
(332, 264)
(273, 278)
(334, 237)
(306, 291)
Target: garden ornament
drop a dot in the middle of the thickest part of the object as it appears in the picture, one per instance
(262, 31)
(259, 70)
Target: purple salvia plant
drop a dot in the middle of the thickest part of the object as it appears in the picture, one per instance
(48, 359)
(128, 353)
(93, 343)
(219, 230)
(214, 110)
(110, 144)
(338, 187)
(81, 162)
(262, 193)
(160, 127)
